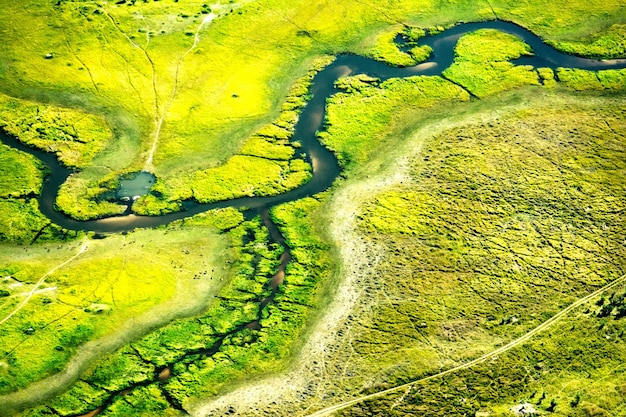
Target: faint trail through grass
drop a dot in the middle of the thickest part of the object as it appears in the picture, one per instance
(41, 281)
(500, 350)
(207, 20)
(158, 118)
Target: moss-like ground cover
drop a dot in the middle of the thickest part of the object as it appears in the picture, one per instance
(577, 27)
(357, 121)
(21, 177)
(481, 63)
(266, 164)
(75, 136)
(499, 225)
(485, 245)
(386, 47)
(185, 347)
(496, 270)
(168, 79)
(502, 225)
(20, 174)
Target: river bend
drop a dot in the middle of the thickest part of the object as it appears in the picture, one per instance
(325, 165)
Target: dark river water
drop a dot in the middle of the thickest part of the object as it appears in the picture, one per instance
(325, 166)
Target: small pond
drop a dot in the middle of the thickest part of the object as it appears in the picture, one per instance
(135, 185)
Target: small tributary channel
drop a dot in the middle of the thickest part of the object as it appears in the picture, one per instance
(325, 166)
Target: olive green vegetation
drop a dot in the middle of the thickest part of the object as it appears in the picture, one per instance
(596, 29)
(83, 198)
(116, 279)
(481, 63)
(21, 222)
(266, 164)
(21, 177)
(69, 55)
(575, 371)
(356, 121)
(612, 38)
(511, 226)
(386, 50)
(483, 246)
(581, 80)
(247, 351)
(73, 135)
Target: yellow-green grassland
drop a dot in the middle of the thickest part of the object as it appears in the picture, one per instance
(469, 259)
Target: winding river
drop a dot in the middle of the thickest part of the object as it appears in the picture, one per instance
(325, 166)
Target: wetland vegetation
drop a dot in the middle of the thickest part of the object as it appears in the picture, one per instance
(491, 244)
(472, 206)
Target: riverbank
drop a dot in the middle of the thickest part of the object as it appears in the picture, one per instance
(332, 365)
(283, 322)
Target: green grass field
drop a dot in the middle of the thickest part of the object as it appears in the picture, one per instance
(482, 246)
(95, 294)
(510, 208)
(160, 55)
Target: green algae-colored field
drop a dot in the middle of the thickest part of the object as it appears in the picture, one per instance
(484, 246)
(500, 223)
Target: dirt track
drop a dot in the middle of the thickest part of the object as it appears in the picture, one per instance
(41, 280)
(543, 326)
(306, 385)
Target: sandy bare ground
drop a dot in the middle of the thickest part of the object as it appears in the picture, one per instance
(307, 385)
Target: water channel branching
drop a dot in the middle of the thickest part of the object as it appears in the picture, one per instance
(326, 169)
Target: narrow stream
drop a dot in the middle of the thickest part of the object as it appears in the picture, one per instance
(166, 372)
(325, 166)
